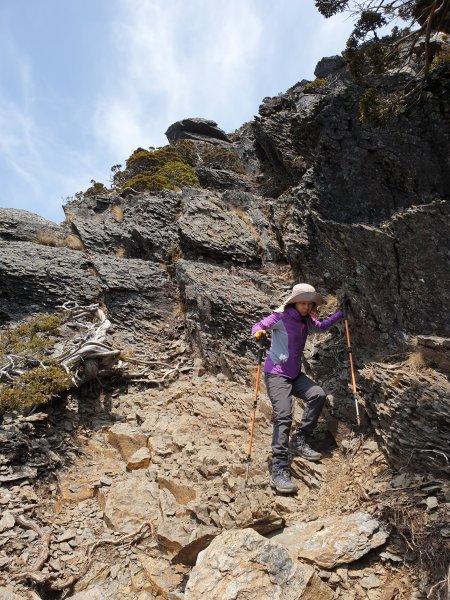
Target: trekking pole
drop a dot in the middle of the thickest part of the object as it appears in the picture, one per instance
(260, 354)
(345, 303)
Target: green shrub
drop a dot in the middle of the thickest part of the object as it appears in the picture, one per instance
(440, 58)
(27, 339)
(96, 188)
(169, 167)
(148, 183)
(317, 83)
(380, 109)
(35, 387)
(32, 340)
(179, 174)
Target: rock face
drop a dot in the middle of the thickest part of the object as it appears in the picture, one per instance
(27, 227)
(410, 409)
(333, 541)
(196, 129)
(242, 564)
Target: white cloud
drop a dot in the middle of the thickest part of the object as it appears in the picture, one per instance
(176, 59)
(18, 142)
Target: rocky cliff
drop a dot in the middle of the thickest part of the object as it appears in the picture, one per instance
(318, 197)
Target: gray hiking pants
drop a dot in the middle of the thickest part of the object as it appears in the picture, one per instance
(281, 392)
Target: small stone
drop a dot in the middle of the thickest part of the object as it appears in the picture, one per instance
(67, 535)
(432, 502)
(390, 556)
(371, 446)
(55, 564)
(400, 481)
(114, 571)
(139, 460)
(7, 521)
(65, 547)
(370, 582)
(324, 574)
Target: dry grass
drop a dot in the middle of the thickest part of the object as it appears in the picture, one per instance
(416, 360)
(330, 304)
(245, 218)
(117, 213)
(423, 358)
(48, 238)
(73, 241)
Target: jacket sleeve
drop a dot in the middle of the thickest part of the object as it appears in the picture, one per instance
(316, 325)
(267, 323)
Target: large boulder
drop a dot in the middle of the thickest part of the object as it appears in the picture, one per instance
(333, 540)
(196, 129)
(243, 564)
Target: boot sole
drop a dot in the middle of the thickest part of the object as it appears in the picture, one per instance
(283, 490)
(292, 456)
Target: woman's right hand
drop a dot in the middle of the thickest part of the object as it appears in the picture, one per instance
(260, 334)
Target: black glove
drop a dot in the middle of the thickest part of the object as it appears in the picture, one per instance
(345, 305)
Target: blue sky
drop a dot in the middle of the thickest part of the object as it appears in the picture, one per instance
(82, 84)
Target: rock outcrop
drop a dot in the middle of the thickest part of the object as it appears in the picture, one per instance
(196, 129)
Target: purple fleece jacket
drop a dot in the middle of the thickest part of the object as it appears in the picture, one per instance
(289, 333)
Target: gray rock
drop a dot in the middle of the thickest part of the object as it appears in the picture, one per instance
(216, 297)
(196, 129)
(329, 65)
(24, 226)
(208, 228)
(393, 396)
(147, 230)
(39, 277)
(222, 179)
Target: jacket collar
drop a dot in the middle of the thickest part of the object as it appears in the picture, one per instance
(293, 312)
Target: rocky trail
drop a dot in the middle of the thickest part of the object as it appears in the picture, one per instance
(152, 476)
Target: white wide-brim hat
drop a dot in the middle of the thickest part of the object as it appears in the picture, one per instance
(302, 292)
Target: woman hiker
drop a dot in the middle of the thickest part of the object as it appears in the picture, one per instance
(290, 325)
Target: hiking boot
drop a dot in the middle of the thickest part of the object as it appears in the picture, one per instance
(281, 481)
(298, 446)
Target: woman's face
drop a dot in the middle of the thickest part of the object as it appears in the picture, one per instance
(304, 308)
